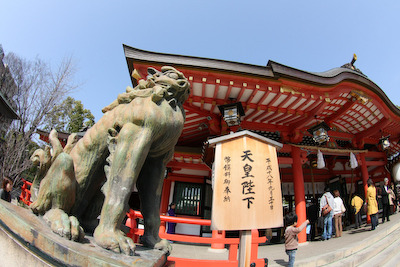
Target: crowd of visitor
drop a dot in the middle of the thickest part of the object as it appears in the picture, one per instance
(328, 215)
(331, 209)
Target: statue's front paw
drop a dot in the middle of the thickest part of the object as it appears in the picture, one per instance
(163, 245)
(114, 240)
(151, 242)
(64, 225)
(39, 207)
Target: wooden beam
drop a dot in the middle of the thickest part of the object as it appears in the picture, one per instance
(285, 160)
(203, 92)
(197, 180)
(197, 110)
(373, 129)
(214, 103)
(191, 166)
(311, 116)
(263, 127)
(375, 163)
(340, 112)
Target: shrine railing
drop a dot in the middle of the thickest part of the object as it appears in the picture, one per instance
(233, 243)
(25, 196)
(215, 241)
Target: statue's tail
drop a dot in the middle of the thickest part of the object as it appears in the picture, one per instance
(42, 159)
(55, 144)
(71, 142)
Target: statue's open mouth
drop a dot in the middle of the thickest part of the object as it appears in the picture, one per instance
(169, 90)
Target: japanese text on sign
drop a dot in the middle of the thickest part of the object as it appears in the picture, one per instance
(227, 179)
(270, 181)
(248, 184)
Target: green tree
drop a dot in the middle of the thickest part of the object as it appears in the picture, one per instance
(70, 117)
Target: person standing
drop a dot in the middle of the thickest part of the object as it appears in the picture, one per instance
(385, 193)
(291, 232)
(392, 200)
(372, 204)
(338, 209)
(312, 215)
(327, 198)
(357, 203)
(6, 189)
(171, 212)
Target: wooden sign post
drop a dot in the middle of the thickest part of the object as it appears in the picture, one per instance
(246, 186)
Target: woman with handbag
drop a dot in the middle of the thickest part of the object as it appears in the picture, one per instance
(326, 204)
(338, 210)
(372, 204)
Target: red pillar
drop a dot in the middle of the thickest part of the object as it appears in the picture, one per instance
(165, 196)
(365, 176)
(219, 235)
(164, 203)
(299, 195)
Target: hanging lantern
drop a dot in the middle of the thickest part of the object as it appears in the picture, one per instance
(320, 132)
(314, 164)
(384, 142)
(232, 113)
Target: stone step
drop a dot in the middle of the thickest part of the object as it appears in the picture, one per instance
(375, 250)
(390, 251)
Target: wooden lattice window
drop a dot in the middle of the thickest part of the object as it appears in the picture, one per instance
(187, 197)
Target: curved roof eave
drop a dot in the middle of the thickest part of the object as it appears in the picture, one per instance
(330, 78)
(197, 62)
(272, 70)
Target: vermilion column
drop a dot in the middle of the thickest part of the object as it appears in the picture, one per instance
(299, 195)
(164, 202)
(165, 196)
(365, 176)
(219, 235)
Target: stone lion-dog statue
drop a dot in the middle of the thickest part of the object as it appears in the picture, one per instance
(131, 144)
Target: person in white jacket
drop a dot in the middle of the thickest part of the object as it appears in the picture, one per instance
(338, 209)
(327, 198)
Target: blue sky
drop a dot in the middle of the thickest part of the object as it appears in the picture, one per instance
(309, 35)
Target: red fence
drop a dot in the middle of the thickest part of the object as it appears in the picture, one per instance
(232, 242)
(217, 241)
(25, 196)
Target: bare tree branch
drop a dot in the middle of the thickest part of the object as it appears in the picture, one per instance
(37, 89)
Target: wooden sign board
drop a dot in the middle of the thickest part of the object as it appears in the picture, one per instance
(246, 185)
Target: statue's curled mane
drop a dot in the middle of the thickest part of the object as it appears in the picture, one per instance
(175, 93)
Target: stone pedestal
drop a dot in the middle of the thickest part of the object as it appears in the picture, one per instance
(26, 240)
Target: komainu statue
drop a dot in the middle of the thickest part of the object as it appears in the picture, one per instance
(131, 144)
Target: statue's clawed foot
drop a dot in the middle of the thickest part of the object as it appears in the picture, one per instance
(114, 240)
(151, 242)
(40, 206)
(64, 225)
(163, 245)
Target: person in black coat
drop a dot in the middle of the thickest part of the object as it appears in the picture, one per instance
(6, 189)
(385, 192)
(312, 216)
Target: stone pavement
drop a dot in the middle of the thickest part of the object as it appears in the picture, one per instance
(354, 248)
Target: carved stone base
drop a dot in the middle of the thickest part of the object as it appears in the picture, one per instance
(26, 240)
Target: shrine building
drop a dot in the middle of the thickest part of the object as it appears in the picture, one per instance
(339, 112)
